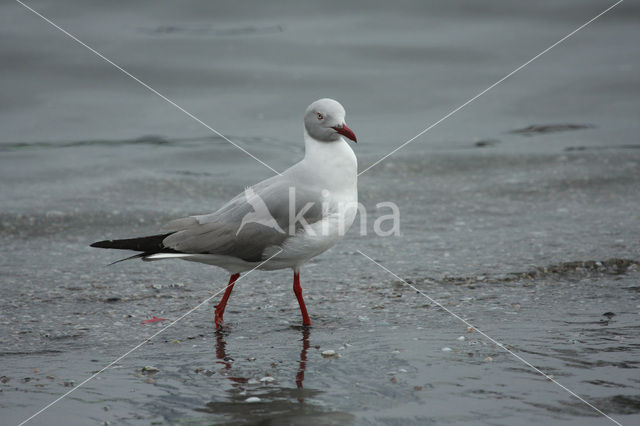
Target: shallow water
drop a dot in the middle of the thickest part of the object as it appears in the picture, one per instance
(503, 206)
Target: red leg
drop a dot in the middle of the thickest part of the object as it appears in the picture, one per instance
(298, 291)
(219, 312)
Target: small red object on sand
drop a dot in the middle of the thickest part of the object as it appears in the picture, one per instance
(154, 319)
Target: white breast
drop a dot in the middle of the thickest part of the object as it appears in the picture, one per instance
(334, 168)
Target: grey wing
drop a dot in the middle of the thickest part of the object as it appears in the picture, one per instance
(258, 218)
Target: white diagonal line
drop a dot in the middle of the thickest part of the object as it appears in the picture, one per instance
(455, 110)
(142, 343)
(494, 341)
(145, 85)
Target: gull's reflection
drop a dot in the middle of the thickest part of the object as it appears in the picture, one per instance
(302, 366)
(276, 404)
(226, 361)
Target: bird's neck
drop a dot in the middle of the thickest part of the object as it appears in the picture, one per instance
(335, 164)
(337, 154)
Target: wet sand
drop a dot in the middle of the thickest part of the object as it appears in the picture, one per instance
(520, 214)
(536, 269)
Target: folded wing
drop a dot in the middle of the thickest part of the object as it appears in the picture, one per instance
(243, 227)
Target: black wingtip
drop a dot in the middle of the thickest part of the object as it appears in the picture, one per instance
(102, 244)
(150, 244)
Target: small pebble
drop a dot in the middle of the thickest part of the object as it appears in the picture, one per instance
(462, 338)
(402, 370)
(35, 370)
(253, 381)
(446, 349)
(330, 354)
(267, 379)
(150, 380)
(488, 359)
(470, 329)
(252, 399)
(149, 369)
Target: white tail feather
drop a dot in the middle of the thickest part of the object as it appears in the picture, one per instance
(161, 256)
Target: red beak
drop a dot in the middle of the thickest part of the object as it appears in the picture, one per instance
(345, 131)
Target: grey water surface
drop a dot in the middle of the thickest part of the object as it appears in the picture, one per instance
(520, 213)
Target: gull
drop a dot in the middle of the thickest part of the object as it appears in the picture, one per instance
(278, 223)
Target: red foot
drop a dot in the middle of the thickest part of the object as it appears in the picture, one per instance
(218, 313)
(154, 319)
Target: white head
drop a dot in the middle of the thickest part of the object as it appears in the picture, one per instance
(324, 121)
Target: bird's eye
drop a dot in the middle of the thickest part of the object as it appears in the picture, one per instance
(320, 116)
